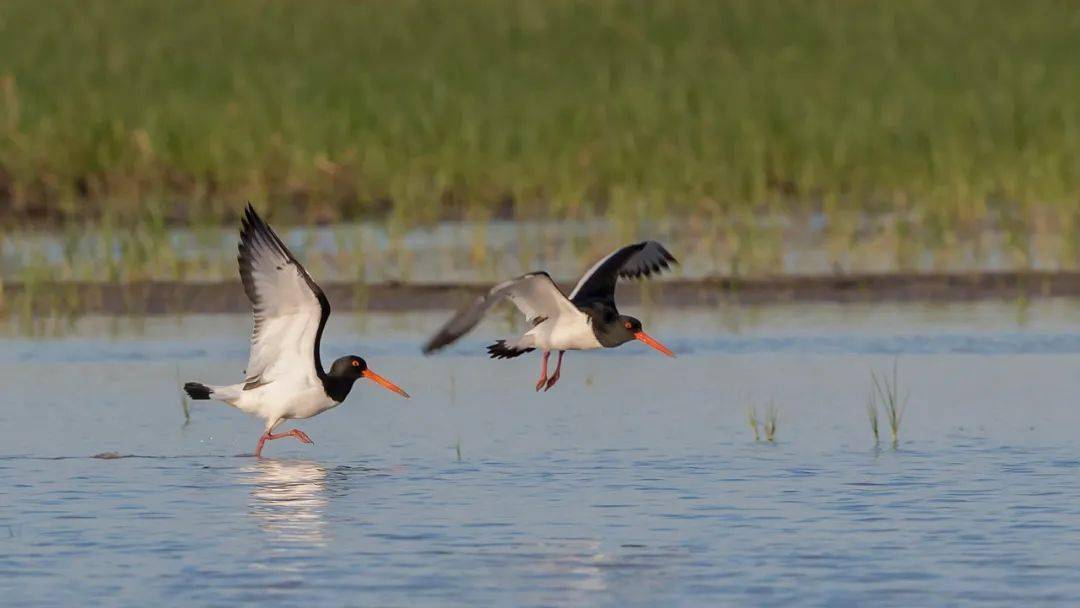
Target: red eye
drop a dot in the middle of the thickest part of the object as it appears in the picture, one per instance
(627, 325)
(356, 364)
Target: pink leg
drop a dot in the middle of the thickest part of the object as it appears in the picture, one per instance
(267, 436)
(555, 377)
(543, 372)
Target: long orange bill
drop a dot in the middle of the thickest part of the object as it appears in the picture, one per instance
(390, 386)
(647, 339)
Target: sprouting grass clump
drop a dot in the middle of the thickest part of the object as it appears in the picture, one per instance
(766, 425)
(772, 417)
(752, 419)
(885, 394)
(474, 107)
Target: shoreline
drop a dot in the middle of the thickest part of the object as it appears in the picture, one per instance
(178, 297)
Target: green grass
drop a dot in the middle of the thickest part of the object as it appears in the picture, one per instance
(886, 394)
(872, 411)
(766, 425)
(948, 111)
(752, 420)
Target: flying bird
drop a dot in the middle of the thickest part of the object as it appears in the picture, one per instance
(584, 320)
(284, 379)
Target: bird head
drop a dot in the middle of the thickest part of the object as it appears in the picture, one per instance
(627, 328)
(354, 368)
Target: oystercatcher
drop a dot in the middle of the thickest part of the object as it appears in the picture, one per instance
(284, 377)
(585, 320)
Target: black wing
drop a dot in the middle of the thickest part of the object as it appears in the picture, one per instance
(631, 262)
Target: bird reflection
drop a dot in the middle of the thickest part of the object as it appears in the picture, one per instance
(288, 500)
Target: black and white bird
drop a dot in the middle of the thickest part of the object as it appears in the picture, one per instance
(585, 320)
(284, 377)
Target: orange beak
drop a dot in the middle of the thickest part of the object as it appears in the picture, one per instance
(647, 339)
(390, 386)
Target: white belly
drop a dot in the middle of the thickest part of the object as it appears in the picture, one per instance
(274, 401)
(565, 332)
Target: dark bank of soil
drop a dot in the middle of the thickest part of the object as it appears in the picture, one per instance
(186, 297)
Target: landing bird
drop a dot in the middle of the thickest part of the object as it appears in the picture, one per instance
(586, 320)
(284, 377)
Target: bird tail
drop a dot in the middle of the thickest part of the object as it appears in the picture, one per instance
(197, 391)
(501, 350)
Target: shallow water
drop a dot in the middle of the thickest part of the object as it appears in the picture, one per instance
(635, 481)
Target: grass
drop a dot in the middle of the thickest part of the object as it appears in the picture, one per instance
(767, 425)
(872, 411)
(886, 395)
(772, 417)
(141, 113)
(752, 419)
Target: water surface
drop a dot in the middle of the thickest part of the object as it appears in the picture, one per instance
(635, 481)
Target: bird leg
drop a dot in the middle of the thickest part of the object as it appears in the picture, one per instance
(267, 436)
(543, 372)
(555, 377)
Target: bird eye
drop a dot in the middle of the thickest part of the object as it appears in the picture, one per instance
(356, 364)
(627, 325)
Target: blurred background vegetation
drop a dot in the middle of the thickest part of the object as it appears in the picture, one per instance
(469, 140)
(950, 112)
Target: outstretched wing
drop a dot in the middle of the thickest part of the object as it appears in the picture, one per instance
(290, 310)
(630, 262)
(535, 295)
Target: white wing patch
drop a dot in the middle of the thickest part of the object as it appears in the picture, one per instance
(534, 294)
(289, 309)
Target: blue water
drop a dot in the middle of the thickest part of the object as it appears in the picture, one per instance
(635, 481)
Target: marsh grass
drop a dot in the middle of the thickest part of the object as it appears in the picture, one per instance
(919, 147)
(872, 411)
(415, 111)
(886, 395)
(772, 418)
(752, 420)
(766, 426)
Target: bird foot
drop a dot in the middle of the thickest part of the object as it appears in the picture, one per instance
(540, 383)
(551, 382)
(302, 436)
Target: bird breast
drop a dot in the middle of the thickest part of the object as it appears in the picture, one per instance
(566, 332)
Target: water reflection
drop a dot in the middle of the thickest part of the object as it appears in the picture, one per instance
(288, 500)
(580, 567)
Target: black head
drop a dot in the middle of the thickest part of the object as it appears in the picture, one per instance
(347, 370)
(624, 328)
(351, 367)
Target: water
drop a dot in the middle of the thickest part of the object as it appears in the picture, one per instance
(635, 481)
